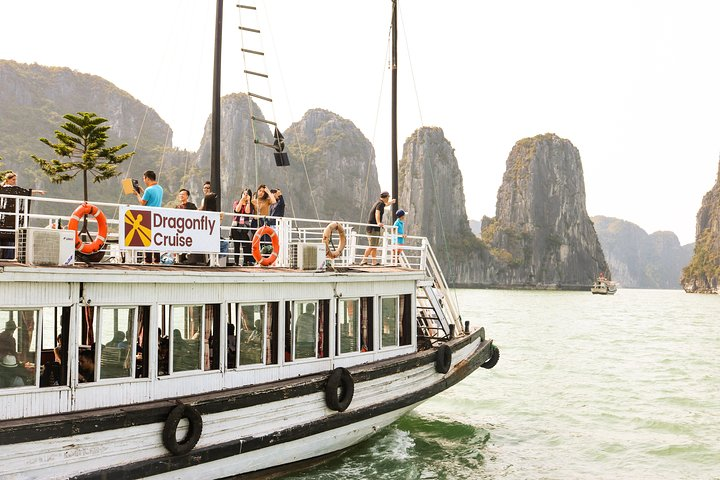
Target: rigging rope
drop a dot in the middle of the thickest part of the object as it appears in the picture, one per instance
(433, 180)
(289, 107)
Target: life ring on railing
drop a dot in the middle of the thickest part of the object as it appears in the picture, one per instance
(494, 357)
(339, 380)
(81, 211)
(327, 235)
(169, 434)
(257, 255)
(443, 359)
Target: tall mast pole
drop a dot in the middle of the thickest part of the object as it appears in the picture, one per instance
(393, 136)
(215, 135)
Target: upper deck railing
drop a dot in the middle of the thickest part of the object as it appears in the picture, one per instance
(235, 244)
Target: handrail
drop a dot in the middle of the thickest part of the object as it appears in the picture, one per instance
(412, 255)
(434, 271)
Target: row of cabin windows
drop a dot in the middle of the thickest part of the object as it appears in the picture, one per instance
(113, 342)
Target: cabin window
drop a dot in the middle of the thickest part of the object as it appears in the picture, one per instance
(111, 342)
(118, 327)
(305, 329)
(366, 324)
(247, 335)
(348, 326)
(18, 347)
(186, 330)
(389, 315)
(406, 319)
(54, 328)
(186, 340)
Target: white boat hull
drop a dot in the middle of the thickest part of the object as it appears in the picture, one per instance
(249, 438)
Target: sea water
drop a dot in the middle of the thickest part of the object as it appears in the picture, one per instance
(587, 387)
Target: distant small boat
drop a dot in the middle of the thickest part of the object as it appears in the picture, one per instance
(603, 286)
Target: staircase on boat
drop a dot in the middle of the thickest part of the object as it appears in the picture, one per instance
(438, 315)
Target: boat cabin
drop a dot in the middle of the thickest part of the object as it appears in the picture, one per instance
(125, 330)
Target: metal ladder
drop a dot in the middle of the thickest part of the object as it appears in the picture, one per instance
(257, 80)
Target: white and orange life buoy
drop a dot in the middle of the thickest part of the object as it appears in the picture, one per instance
(257, 255)
(81, 211)
(327, 234)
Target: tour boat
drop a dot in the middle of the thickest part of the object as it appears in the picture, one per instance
(603, 286)
(127, 369)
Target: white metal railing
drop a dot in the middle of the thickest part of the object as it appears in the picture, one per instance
(41, 212)
(450, 307)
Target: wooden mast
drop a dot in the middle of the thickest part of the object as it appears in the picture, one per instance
(393, 136)
(215, 135)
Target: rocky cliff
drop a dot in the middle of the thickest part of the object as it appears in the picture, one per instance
(702, 274)
(33, 99)
(541, 233)
(639, 260)
(332, 172)
(431, 189)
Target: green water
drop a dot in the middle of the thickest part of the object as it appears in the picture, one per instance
(587, 387)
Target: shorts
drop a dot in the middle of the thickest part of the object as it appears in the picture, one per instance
(374, 238)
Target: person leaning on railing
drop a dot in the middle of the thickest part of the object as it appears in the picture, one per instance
(8, 222)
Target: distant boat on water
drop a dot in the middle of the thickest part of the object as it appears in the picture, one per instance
(603, 286)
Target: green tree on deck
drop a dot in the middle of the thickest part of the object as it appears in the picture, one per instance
(83, 144)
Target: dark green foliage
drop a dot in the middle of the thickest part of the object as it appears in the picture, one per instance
(84, 145)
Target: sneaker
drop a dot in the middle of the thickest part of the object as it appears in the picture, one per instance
(364, 262)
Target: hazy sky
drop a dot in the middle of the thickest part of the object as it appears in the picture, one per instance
(634, 85)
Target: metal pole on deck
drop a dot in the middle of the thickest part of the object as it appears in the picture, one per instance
(215, 136)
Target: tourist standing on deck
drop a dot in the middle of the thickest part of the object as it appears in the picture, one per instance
(209, 203)
(242, 230)
(375, 226)
(151, 197)
(278, 208)
(264, 198)
(8, 220)
(184, 200)
(400, 226)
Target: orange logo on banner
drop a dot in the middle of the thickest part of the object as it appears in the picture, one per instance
(138, 229)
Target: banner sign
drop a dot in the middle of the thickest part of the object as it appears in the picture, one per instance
(169, 230)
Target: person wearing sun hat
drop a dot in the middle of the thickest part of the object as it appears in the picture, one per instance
(11, 372)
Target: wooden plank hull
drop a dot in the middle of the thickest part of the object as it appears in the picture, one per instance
(244, 430)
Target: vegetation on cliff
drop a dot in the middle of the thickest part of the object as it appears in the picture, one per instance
(702, 274)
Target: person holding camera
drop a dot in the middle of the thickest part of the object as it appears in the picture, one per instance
(242, 230)
(262, 202)
(151, 197)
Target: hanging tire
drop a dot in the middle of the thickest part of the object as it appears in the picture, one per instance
(443, 359)
(169, 434)
(339, 390)
(494, 357)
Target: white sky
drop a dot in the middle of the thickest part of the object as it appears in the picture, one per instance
(634, 85)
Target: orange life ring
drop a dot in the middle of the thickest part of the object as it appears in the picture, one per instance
(81, 211)
(327, 234)
(265, 261)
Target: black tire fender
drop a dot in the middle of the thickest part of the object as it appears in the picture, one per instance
(169, 434)
(494, 357)
(339, 390)
(443, 359)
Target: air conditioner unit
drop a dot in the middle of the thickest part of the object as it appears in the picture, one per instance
(307, 256)
(45, 246)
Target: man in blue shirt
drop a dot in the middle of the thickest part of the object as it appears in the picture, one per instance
(153, 195)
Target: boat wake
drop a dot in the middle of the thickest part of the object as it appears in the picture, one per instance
(413, 447)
